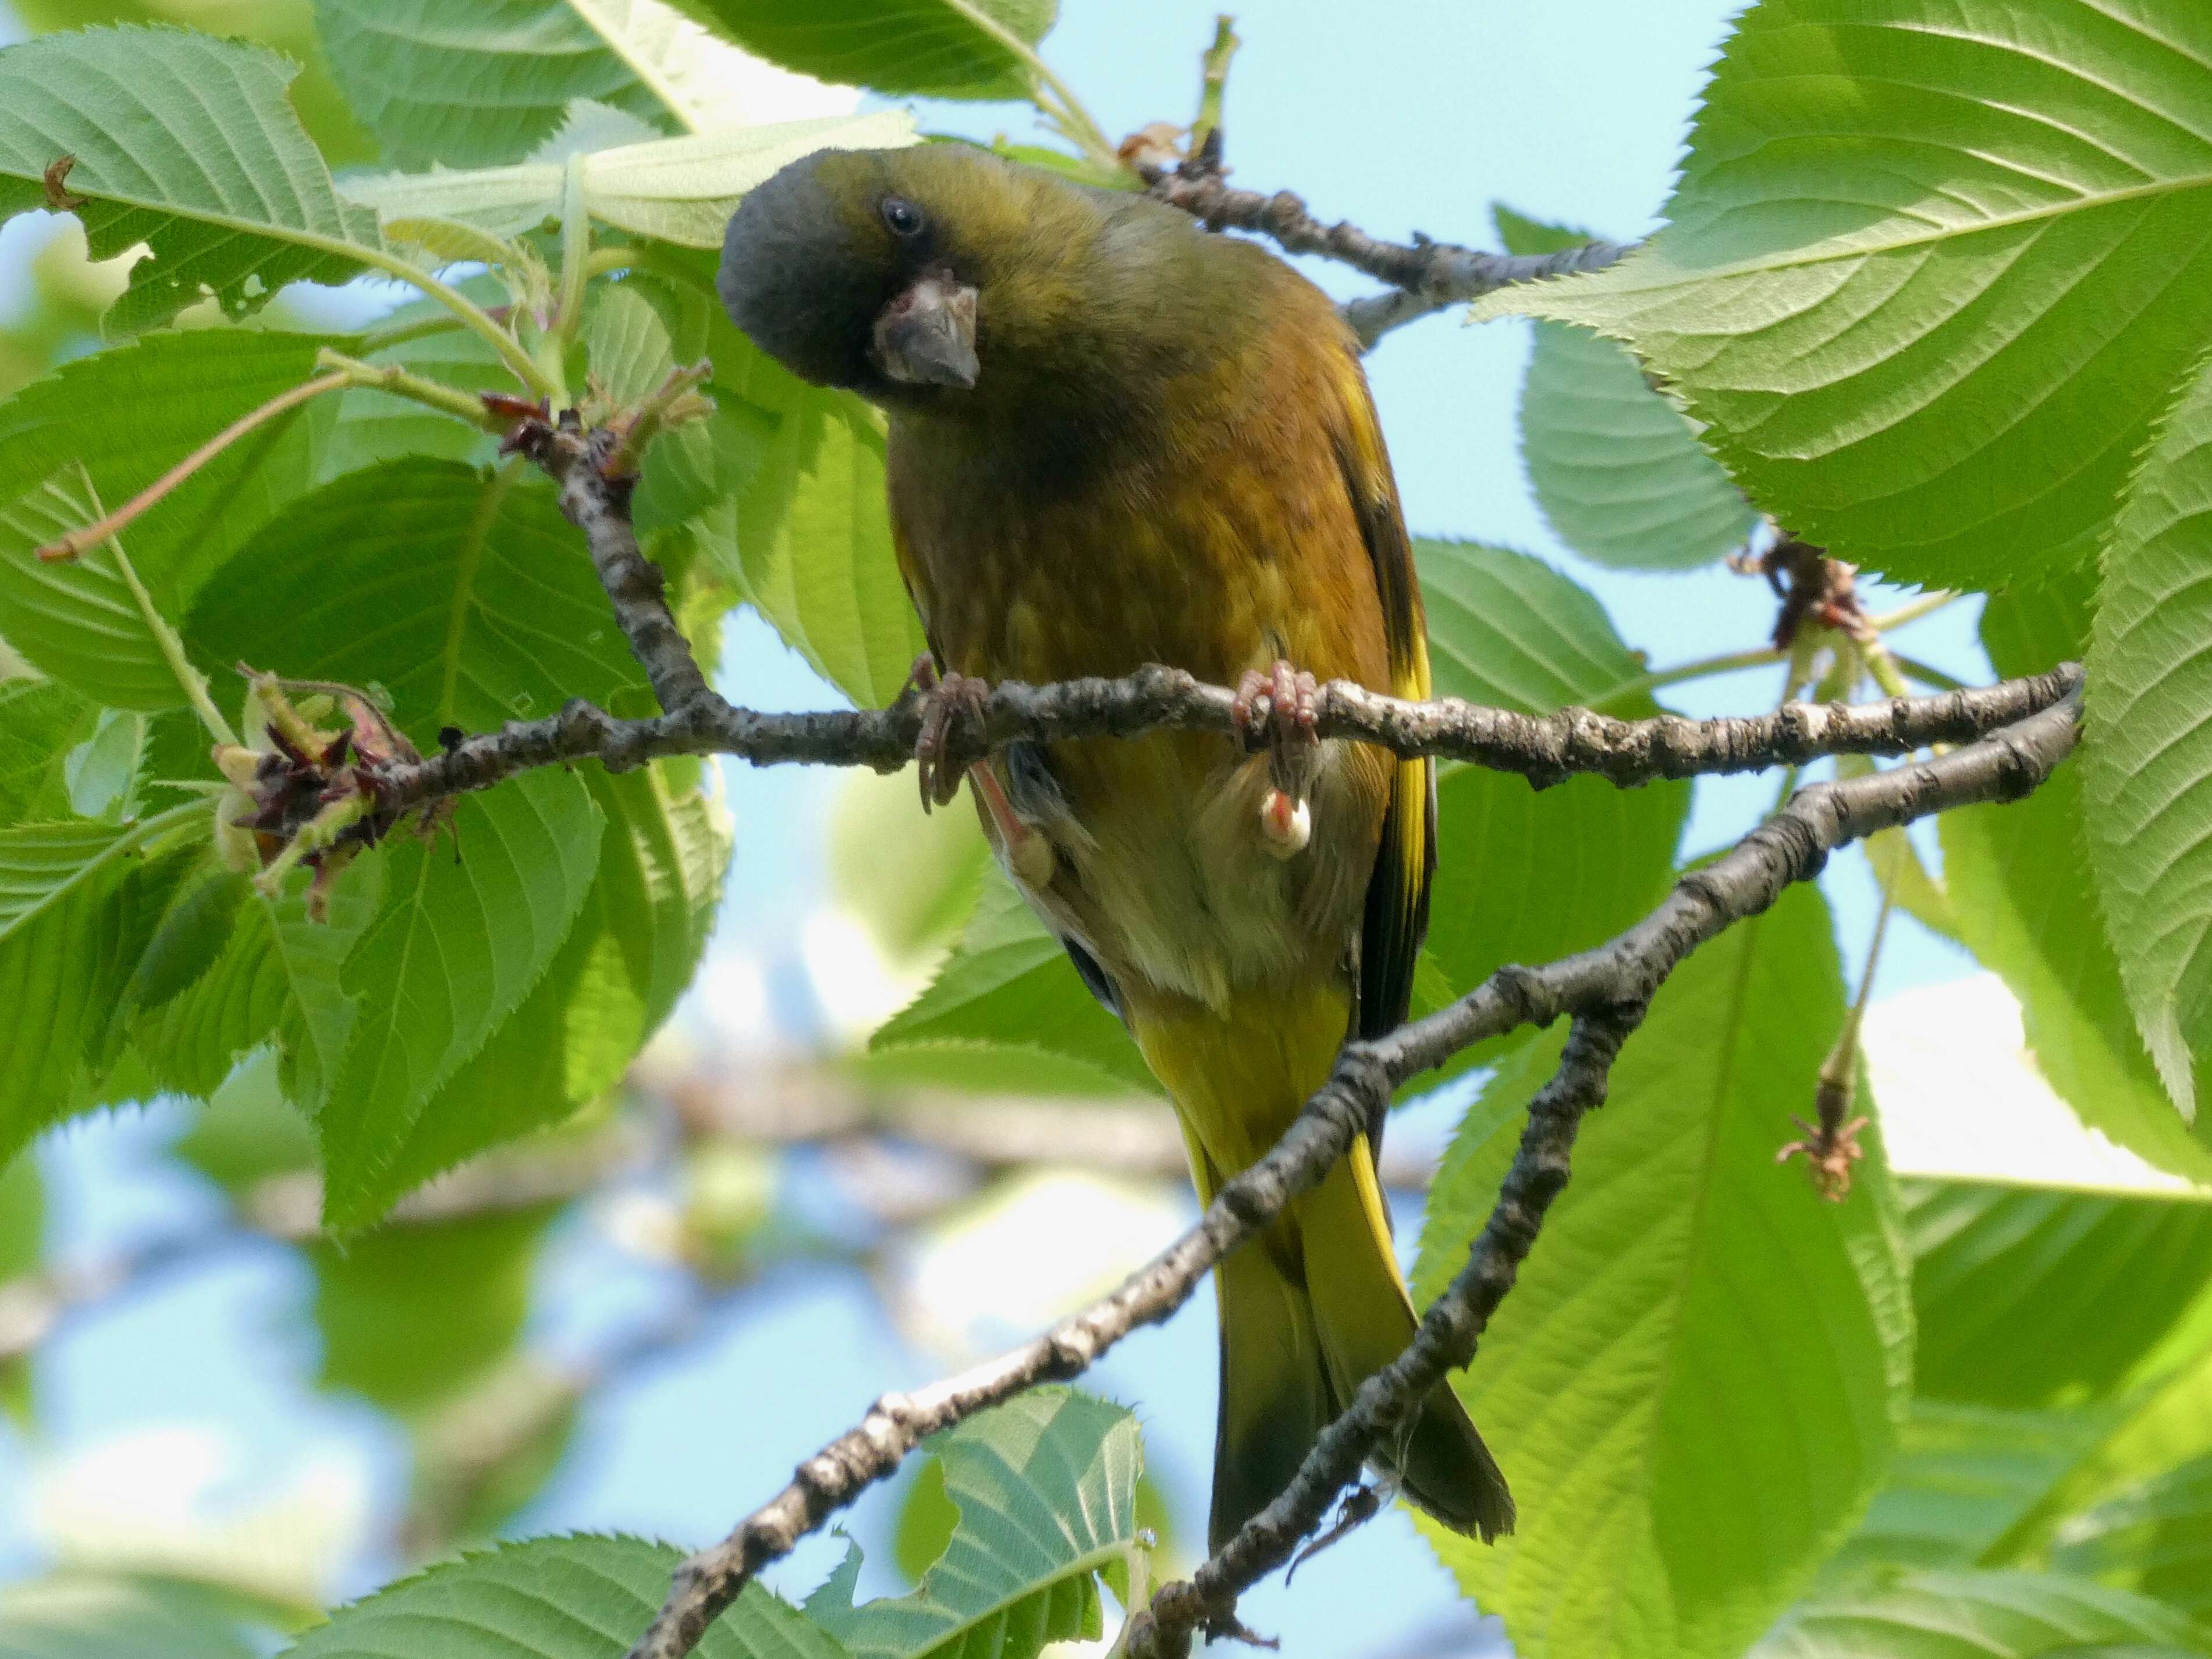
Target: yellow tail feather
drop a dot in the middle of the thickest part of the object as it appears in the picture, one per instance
(1314, 1305)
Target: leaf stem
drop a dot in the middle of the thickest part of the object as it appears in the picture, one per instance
(383, 339)
(190, 679)
(1214, 79)
(77, 542)
(1927, 674)
(1913, 609)
(575, 254)
(472, 316)
(1063, 107)
(401, 384)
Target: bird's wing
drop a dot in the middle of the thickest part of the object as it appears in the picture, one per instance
(1397, 914)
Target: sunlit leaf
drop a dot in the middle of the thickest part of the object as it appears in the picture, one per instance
(675, 190)
(1932, 271)
(1010, 981)
(185, 142)
(2020, 886)
(1046, 1487)
(39, 723)
(1744, 1326)
(575, 1597)
(454, 950)
(943, 48)
(2146, 765)
(77, 619)
(131, 413)
(1616, 468)
(1985, 1615)
(1523, 874)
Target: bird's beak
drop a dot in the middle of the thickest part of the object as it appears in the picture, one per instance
(927, 336)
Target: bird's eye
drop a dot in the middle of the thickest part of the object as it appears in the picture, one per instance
(903, 217)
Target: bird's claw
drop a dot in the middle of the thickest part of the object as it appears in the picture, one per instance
(947, 702)
(1281, 708)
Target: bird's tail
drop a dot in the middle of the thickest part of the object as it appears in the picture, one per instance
(1310, 1310)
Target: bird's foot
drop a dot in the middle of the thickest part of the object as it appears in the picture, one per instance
(1281, 710)
(947, 702)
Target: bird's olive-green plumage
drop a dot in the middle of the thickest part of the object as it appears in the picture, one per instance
(1116, 439)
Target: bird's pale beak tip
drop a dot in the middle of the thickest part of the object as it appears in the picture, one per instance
(927, 336)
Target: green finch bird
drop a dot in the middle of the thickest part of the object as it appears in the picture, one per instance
(1114, 439)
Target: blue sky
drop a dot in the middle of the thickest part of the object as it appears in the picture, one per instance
(1413, 115)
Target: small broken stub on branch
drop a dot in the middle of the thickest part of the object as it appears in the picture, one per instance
(1812, 587)
(302, 794)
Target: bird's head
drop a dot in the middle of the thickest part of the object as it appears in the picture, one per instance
(914, 276)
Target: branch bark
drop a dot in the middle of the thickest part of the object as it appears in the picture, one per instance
(1545, 749)
(1424, 275)
(1605, 990)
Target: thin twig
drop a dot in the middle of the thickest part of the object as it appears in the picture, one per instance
(1605, 989)
(1424, 275)
(91, 535)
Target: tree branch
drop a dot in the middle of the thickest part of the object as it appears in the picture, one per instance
(591, 468)
(1545, 749)
(1605, 991)
(1424, 275)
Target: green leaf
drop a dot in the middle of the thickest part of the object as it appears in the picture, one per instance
(130, 414)
(1523, 874)
(825, 575)
(39, 723)
(939, 48)
(1010, 980)
(1964, 1478)
(465, 595)
(1616, 468)
(2020, 886)
(78, 1616)
(1984, 1615)
(191, 936)
(453, 951)
(475, 85)
(80, 921)
(411, 1314)
(1046, 1486)
(184, 142)
(2146, 766)
(78, 620)
(42, 865)
(674, 190)
(1507, 630)
(2032, 1295)
(2154, 1537)
(618, 975)
(550, 1598)
(1931, 272)
(495, 82)
(1650, 1379)
(275, 978)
